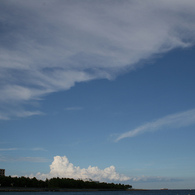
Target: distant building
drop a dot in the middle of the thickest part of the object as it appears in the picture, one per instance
(2, 172)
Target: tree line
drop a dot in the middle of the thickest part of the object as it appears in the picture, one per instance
(8, 181)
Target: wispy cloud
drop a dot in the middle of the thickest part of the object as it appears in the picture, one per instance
(32, 159)
(15, 111)
(8, 149)
(15, 158)
(79, 41)
(74, 108)
(3, 117)
(14, 149)
(38, 149)
(23, 159)
(154, 179)
(175, 121)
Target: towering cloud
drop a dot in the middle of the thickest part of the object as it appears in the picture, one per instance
(61, 167)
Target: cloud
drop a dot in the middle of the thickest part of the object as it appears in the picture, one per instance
(49, 46)
(38, 149)
(155, 179)
(33, 159)
(10, 111)
(22, 159)
(8, 149)
(2, 117)
(177, 120)
(14, 149)
(61, 167)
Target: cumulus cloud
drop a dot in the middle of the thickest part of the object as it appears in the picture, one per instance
(49, 46)
(175, 121)
(61, 167)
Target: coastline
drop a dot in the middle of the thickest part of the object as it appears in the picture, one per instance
(54, 190)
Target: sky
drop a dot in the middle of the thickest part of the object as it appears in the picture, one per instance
(99, 89)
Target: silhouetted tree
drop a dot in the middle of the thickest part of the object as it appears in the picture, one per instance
(58, 183)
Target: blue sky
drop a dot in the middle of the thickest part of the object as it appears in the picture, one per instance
(98, 89)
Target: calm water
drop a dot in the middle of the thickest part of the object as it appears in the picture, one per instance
(150, 192)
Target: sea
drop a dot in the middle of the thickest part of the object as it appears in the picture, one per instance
(148, 192)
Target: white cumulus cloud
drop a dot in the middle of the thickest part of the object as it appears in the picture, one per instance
(61, 167)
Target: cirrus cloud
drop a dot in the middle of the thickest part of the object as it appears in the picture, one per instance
(177, 120)
(49, 46)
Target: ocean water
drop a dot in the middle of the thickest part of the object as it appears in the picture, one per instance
(149, 192)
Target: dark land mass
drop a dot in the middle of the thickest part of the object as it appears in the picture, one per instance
(21, 184)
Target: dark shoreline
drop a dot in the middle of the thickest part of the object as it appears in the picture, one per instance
(2, 189)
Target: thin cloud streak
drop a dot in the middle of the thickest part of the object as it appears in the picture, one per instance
(177, 120)
(8, 149)
(154, 179)
(23, 159)
(11, 112)
(14, 149)
(39, 149)
(74, 108)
